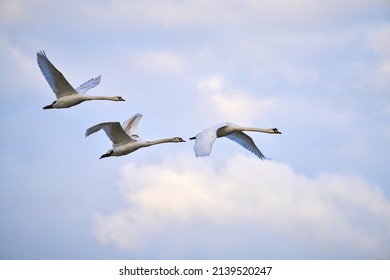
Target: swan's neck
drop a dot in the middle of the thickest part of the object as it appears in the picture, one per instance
(160, 141)
(90, 97)
(264, 130)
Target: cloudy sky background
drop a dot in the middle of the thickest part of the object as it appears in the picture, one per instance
(319, 71)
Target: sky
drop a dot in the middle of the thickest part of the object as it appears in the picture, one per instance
(319, 71)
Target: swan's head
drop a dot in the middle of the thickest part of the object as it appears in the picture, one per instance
(177, 139)
(119, 98)
(276, 131)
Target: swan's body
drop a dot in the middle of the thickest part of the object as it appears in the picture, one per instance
(205, 139)
(66, 95)
(125, 138)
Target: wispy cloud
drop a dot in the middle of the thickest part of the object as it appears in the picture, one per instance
(178, 13)
(173, 13)
(17, 67)
(159, 62)
(225, 102)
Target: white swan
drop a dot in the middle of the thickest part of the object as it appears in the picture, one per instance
(67, 96)
(125, 138)
(205, 139)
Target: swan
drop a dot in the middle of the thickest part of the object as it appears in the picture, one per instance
(204, 140)
(66, 95)
(125, 138)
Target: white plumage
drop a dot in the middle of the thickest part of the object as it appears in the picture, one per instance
(204, 140)
(125, 137)
(66, 95)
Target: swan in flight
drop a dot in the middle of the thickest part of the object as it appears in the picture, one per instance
(67, 96)
(205, 139)
(125, 138)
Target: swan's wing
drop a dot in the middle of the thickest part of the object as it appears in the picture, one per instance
(204, 142)
(88, 85)
(247, 142)
(113, 130)
(56, 80)
(131, 125)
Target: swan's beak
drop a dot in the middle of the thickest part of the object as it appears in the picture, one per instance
(193, 138)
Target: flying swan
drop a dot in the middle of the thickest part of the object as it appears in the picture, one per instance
(67, 96)
(205, 139)
(125, 138)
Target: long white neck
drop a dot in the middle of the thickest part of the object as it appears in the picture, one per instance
(160, 141)
(264, 130)
(112, 98)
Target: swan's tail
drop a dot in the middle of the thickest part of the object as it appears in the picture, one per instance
(51, 106)
(48, 107)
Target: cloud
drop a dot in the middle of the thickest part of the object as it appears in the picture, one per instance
(299, 76)
(159, 61)
(325, 213)
(11, 11)
(174, 13)
(19, 67)
(379, 40)
(170, 13)
(382, 75)
(229, 103)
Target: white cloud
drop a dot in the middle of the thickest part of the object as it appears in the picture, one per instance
(24, 11)
(159, 61)
(299, 76)
(214, 83)
(170, 13)
(11, 11)
(325, 213)
(378, 40)
(382, 74)
(21, 73)
(123, 14)
(228, 103)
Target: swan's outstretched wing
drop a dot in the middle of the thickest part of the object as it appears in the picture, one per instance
(56, 80)
(131, 125)
(204, 142)
(113, 130)
(88, 85)
(245, 141)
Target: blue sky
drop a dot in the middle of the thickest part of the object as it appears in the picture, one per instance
(319, 71)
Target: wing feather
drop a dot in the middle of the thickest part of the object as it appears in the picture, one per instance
(246, 142)
(204, 142)
(88, 85)
(113, 130)
(60, 86)
(131, 125)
